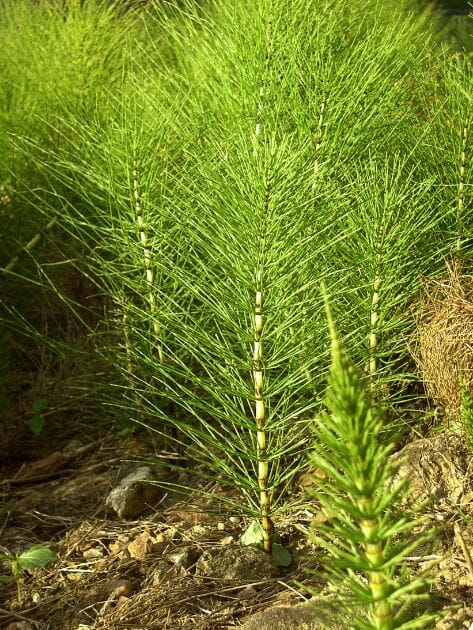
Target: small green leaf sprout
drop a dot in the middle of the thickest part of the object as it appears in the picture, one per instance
(36, 421)
(254, 537)
(36, 556)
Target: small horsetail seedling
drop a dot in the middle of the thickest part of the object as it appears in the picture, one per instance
(364, 534)
(36, 556)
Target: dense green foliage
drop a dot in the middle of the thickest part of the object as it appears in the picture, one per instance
(200, 171)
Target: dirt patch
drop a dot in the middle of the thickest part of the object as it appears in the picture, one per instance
(175, 568)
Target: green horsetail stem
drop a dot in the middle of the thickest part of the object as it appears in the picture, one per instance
(130, 366)
(379, 585)
(374, 319)
(260, 420)
(363, 515)
(260, 406)
(146, 260)
(318, 142)
(28, 247)
(461, 187)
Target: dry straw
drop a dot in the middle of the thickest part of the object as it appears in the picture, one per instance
(445, 339)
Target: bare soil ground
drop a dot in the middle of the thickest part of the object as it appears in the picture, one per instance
(148, 573)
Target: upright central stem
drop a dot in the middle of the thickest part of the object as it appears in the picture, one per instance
(382, 613)
(260, 406)
(147, 261)
(260, 419)
(374, 320)
(318, 142)
(461, 189)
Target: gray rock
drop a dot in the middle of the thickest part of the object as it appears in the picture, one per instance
(456, 620)
(133, 496)
(236, 562)
(438, 471)
(184, 557)
(161, 572)
(299, 617)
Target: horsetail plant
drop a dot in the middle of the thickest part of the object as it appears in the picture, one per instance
(249, 242)
(448, 141)
(28, 248)
(461, 185)
(318, 140)
(374, 317)
(146, 260)
(395, 235)
(363, 531)
(242, 236)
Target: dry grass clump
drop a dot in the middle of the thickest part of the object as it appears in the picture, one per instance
(444, 351)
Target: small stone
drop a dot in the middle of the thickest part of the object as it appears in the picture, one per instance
(171, 534)
(221, 526)
(76, 577)
(199, 530)
(141, 546)
(115, 547)
(108, 592)
(158, 548)
(247, 593)
(121, 588)
(184, 557)
(161, 570)
(35, 597)
(301, 616)
(134, 495)
(236, 562)
(227, 540)
(93, 553)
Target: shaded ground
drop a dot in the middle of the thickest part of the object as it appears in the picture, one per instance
(175, 568)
